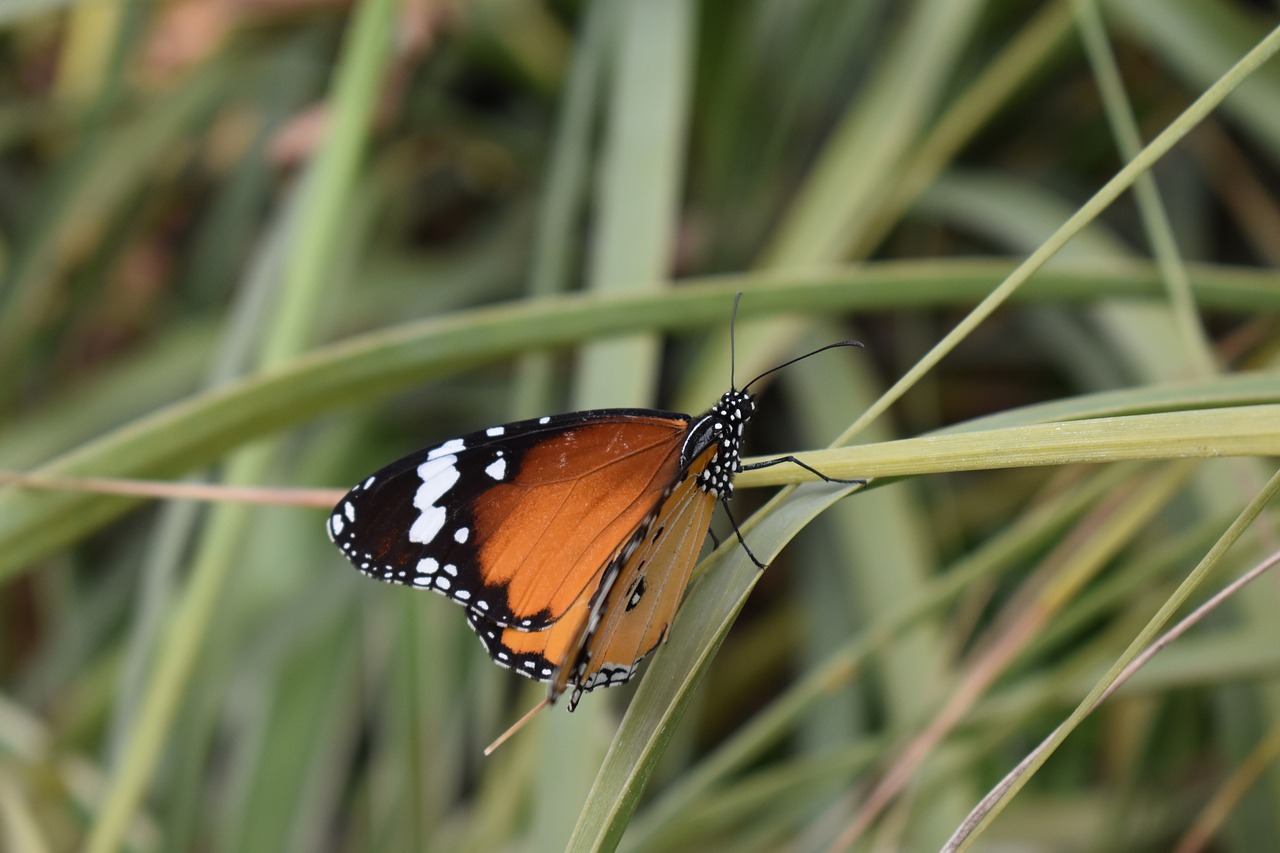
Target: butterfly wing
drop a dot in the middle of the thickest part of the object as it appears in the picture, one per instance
(635, 611)
(516, 522)
(533, 654)
(601, 640)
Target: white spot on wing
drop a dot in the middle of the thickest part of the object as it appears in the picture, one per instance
(544, 420)
(428, 566)
(438, 476)
(335, 525)
(494, 432)
(427, 525)
(460, 535)
(498, 469)
(449, 448)
(349, 511)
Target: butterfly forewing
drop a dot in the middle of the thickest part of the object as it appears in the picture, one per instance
(516, 522)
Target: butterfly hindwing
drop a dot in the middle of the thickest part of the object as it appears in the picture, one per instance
(533, 654)
(544, 655)
(636, 612)
(516, 522)
(601, 641)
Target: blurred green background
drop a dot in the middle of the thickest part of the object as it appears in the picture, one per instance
(284, 242)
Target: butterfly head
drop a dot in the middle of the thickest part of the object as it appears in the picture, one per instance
(722, 428)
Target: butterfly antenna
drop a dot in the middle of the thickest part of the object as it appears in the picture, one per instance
(517, 726)
(733, 325)
(801, 358)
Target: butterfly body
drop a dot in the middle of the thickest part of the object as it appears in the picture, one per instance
(569, 539)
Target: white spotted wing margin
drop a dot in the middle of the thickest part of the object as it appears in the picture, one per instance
(530, 653)
(441, 518)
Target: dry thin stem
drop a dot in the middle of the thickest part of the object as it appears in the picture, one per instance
(323, 498)
(1065, 569)
(993, 796)
(517, 726)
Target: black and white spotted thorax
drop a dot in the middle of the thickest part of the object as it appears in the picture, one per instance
(722, 426)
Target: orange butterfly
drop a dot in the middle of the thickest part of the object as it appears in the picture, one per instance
(570, 539)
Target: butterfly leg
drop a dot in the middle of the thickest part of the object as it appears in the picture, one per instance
(769, 463)
(754, 559)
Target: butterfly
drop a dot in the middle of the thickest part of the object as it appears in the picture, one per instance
(569, 539)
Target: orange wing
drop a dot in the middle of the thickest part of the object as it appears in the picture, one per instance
(547, 534)
(517, 522)
(600, 641)
(637, 609)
